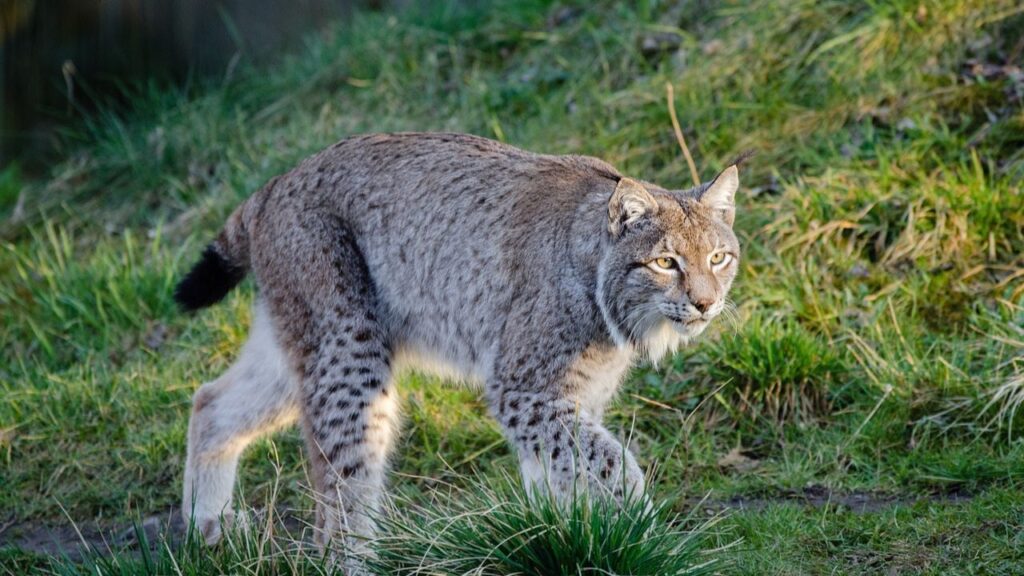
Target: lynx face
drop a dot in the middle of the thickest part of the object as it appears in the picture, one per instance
(670, 263)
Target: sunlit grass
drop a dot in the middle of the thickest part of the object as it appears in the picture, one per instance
(773, 369)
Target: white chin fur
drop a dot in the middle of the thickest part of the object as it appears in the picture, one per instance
(663, 338)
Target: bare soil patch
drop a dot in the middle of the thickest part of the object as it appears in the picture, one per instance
(77, 540)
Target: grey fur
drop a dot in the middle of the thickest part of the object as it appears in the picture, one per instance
(534, 275)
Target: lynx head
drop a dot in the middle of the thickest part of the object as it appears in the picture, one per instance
(669, 262)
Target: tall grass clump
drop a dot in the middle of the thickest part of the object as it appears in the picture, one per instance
(497, 529)
(768, 370)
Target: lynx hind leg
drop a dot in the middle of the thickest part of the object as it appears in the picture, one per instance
(256, 396)
(348, 404)
(351, 420)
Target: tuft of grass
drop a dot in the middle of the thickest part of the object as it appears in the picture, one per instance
(1004, 405)
(496, 529)
(769, 370)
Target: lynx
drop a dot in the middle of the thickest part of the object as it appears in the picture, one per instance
(541, 278)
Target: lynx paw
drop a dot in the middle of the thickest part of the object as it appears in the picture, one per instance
(212, 528)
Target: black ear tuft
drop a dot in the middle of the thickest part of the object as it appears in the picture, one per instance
(743, 157)
(208, 281)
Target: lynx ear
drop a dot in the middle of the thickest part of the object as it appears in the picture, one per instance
(630, 202)
(720, 195)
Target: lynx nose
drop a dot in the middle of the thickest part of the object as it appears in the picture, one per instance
(701, 305)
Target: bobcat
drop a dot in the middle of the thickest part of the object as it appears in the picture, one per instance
(540, 277)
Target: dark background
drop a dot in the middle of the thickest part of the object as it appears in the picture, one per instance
(60, 58)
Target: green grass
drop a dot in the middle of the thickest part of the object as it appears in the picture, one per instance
(496, 529)
(876, 346)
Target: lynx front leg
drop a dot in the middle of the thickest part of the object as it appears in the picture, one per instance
(564, 449)
(255, 396)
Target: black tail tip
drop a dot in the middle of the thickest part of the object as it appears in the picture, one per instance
(208, 282)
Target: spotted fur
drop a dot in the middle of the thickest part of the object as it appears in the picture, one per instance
(535, 276)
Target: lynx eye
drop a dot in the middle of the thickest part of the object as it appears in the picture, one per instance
(665, 263)
(719, 258)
